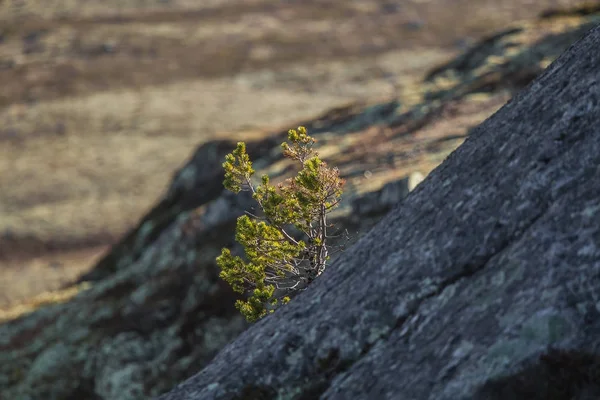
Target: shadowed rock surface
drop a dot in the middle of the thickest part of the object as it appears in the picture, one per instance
(482, 284)
(153, 311)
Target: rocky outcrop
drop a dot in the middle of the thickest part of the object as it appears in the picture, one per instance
(482, 284)
(153, 311)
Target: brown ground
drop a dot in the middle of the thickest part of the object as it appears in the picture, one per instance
(102, 101)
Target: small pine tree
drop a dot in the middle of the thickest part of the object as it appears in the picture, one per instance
(277, 264)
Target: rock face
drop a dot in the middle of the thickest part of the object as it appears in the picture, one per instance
(484, 283)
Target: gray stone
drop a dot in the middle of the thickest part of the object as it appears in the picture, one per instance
(482, 284)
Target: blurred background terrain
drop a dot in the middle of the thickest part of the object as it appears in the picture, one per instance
(102, 101)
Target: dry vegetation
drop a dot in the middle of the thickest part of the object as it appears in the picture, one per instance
(102, 101)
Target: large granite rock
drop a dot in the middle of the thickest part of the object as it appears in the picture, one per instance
(153, 311)
(484, 283)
